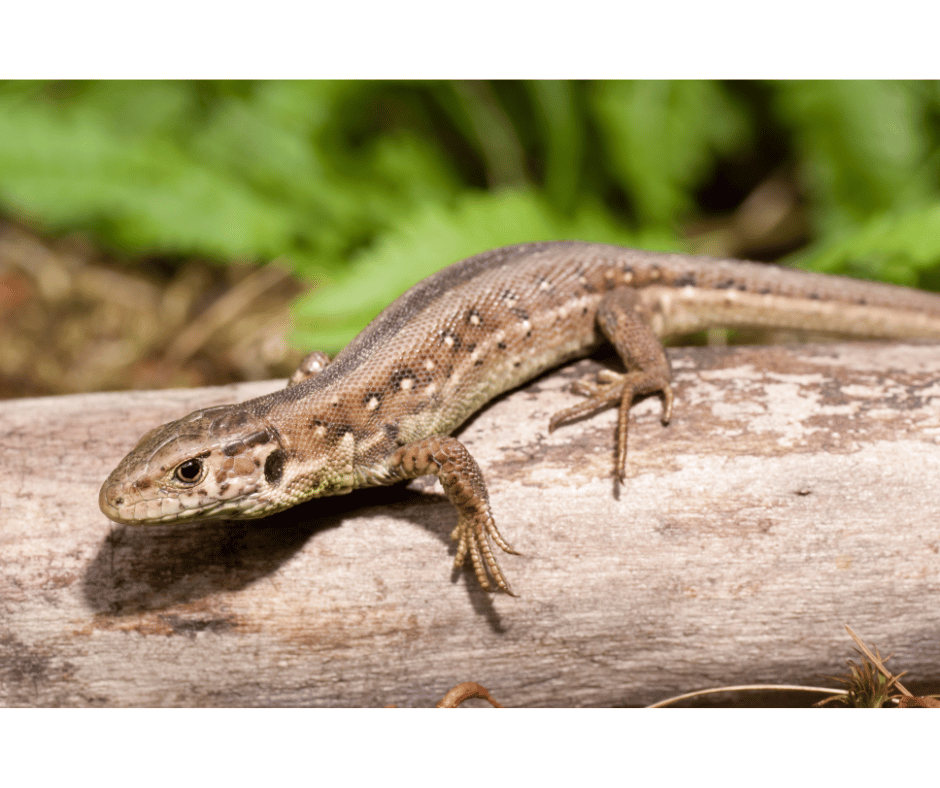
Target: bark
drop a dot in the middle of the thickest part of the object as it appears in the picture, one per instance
(793, 492)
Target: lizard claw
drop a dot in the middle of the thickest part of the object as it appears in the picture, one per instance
(472, 536)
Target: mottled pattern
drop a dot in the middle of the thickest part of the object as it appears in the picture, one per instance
(379, 412)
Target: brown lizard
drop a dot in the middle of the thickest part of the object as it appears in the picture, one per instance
(384, 408)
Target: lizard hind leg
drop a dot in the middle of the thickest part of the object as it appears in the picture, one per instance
(625, 320)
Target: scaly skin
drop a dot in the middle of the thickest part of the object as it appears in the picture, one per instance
(383, 409)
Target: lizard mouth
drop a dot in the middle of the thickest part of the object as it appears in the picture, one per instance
(115, 506)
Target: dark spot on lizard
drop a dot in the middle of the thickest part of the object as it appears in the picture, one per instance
(402, 374)
(471, 347)
(685, 280)
(727, 284)
(392, 430)
(455, 341)
(336, 430)
(501, 345)
(520, 313)
(372, 395)
(258, 438)
(255, 439)
(274, 466)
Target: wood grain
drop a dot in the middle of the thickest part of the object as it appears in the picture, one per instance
(795, 491)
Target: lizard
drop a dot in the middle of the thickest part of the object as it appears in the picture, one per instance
(384, 408)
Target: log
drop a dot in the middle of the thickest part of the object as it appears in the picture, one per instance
(793, 492)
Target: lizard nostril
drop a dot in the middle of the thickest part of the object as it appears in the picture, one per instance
(108, 506)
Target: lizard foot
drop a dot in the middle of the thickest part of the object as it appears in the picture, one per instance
(612, 388)
(473, 535)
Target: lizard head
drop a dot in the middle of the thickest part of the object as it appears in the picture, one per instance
(218, 462)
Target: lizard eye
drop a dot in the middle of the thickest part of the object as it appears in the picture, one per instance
(189, 472)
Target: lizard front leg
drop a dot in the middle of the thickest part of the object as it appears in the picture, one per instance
(624, 319)
(448, 459)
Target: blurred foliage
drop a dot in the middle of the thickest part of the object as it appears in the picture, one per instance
(366, 187)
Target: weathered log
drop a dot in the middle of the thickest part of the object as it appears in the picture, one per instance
(794, 491)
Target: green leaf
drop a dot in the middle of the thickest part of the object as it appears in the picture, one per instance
(560, 123)
(663, 138)
(224, 170)
(477, 112)
(66, 166)
(888, 247)
(863, 147)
